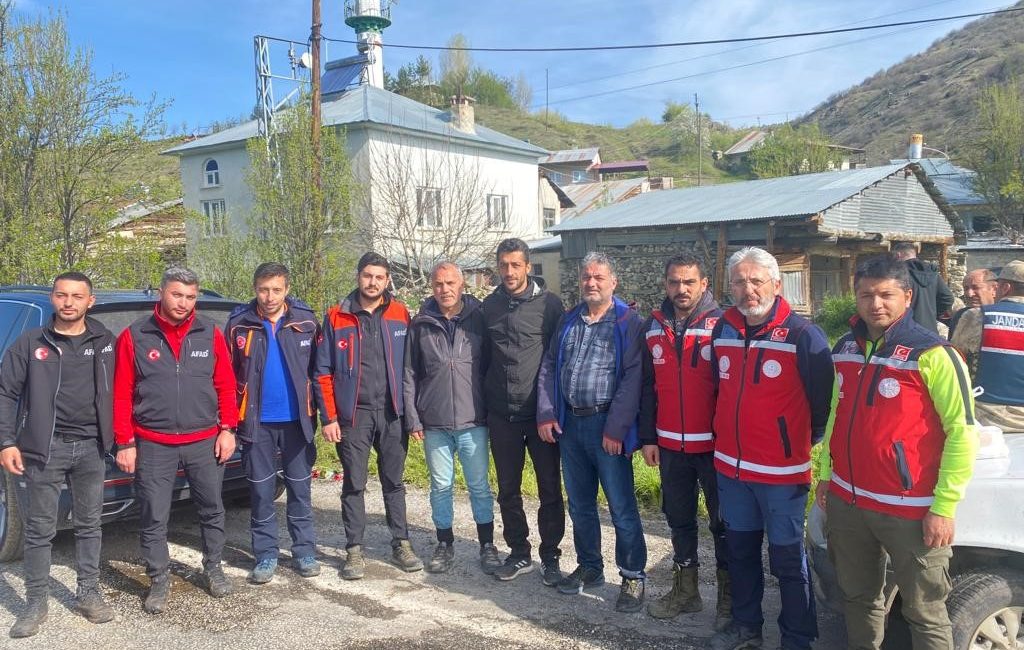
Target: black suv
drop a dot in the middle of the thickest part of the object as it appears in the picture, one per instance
(25, 307)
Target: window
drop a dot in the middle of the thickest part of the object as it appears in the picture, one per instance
(538, 269)
(497, 211)
(793, 287)
(428, 207)
(578, 176)
(216, 218)
(211, 173)
(549, 218)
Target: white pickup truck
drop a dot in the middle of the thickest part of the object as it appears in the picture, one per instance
(987, 601)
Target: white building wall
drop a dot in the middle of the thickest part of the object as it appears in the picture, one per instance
(233, 189)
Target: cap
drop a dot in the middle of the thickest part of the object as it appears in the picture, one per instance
(1014, 272)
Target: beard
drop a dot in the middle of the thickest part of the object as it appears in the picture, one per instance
(760, 310)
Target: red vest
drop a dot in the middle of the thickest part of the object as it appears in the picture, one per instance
(762, 416)
(887, 439)
(684, 383)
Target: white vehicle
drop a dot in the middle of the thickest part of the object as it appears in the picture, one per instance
(987, 601)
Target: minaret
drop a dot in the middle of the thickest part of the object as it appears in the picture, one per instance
(369, 18)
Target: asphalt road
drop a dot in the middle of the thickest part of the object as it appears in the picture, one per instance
(387, 609)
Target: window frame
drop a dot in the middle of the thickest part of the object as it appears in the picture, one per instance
(214, 213)
(421, 194)
(544, 222)
(207, 173)
(492, 224)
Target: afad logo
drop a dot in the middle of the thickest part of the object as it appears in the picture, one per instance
(901, 353)
(41, 354)
(240, 341)
(153, 354)
(780, 333)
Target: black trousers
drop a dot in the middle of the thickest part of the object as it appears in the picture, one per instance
(381, 430)
(510, 441)
(682, 475)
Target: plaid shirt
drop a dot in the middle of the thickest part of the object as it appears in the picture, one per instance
(588, 373)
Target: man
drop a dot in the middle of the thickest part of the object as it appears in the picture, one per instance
(588, 397)
(446, 359)
(901, 447)
(773, 372)
(676, 409)
(55, 428)
(932, 298)
(272, 340)
(360, 364)
(993, 335)
(979, 289)
(174, 404)
(521, 316)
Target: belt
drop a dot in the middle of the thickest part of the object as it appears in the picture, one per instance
(584, 411)
(70, 437)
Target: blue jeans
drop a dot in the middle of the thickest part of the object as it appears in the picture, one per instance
(585, 463)
(749, 510)
(441, 448)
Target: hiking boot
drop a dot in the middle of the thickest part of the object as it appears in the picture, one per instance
(405, 558)
(490, 561)
(216, 582)
(159, 593)
(735, 637)
(684, 596)
(513, 568)
(723, 609)
(355, 564)
(443, 558)
(263, 572)
(580, 579)
(30, 618)
(631, 595)
(90, 604)
(307, 566)
(552, 573)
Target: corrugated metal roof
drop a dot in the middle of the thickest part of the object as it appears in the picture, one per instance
(954, 182)
(746, 143)
(589, 196)
(788, 196)
(570, 156)
(622, 166)
(545, 245)
(368, 104)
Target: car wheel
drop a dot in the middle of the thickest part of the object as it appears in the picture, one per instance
(12, 531)
(986, 611)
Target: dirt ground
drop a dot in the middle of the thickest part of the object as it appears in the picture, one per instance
(387, 609)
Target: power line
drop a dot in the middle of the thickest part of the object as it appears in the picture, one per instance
(714, 41)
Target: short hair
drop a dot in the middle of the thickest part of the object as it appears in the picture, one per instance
(686, 259)
(73, 276)
(904, 247)
(758, 256)
(987, 275)
(271, 270)
(1016, 288)
(512, 245)
(884, 267)
(179, 274)
(446, 265)
(595, 257)
(373, 259)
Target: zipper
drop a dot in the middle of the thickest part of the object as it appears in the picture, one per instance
(784, 434)
(679, 362)
(739, 400)
(849, 427)
(351, 363)
(60, 378)
(902, 466)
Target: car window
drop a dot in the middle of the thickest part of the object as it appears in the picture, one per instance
(117, 317)
(15, 317)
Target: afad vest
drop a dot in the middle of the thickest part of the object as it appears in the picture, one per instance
(1001, 362)
(683, 382)
(762, 417)
(174, 395)
(887, 438)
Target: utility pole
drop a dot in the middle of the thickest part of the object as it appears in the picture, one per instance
(545, 96)
(314, 47)
(700, 137)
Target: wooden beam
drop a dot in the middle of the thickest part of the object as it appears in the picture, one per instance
(944, 262)
(723, 241)
(769, 236)
(847, 265)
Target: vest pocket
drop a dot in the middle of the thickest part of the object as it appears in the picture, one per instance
(784, 435)
(901, 465)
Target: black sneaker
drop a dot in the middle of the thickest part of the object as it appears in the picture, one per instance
(159, 593)
(490, 561)
(736, 637)
(513, 568)
(580, 579)
(631, 595)
(216, 582)
(443, 559)
(552, 573)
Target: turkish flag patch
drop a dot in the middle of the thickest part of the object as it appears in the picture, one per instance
(710, 323)
(780, 333)
(240, 341)
(41, 354)
(153, 354)
(343, 344)
(901, 352)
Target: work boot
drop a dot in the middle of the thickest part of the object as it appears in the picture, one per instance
(263, 572)
(736, 637)
(159, 593)
(443, 559)
(631, 595)
(30, 618)
(684, 596)
(405, 557)
(355, 564)
(90, 604)
(217, 584)
(723, 610)
(307, 566)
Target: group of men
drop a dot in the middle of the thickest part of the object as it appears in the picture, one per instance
(726, 402)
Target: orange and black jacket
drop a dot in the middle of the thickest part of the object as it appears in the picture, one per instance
(297, 335)
(338, 359)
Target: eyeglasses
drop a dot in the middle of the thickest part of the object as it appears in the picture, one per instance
(757, 283)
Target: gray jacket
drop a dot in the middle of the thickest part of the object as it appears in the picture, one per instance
(445, 363)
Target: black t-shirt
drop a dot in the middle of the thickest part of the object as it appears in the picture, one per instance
(76, 397)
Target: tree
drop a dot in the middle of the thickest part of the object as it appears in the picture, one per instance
(789, 150)
(522, 93)
(675, 111)
(997, 155)
(456, 64)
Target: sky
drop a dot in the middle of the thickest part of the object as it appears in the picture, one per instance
(199, 53)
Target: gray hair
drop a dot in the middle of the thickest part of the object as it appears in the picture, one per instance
(595, 257)
(179, 274)
(758, 256)
(446, 265)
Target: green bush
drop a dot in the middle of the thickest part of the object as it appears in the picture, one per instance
(835, 315)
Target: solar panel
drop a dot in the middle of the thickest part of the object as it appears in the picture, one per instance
(338, 79)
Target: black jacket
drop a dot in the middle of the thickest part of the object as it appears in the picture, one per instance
(520, 330)
(297, 334)
(931, 295)
(30, 379)
(444, 368)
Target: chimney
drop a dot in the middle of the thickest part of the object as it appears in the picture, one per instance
(916, 147)
(462, 118)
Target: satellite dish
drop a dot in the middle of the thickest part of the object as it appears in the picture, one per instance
(305, 60)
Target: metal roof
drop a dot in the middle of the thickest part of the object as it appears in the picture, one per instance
(571, 156)
(545, 245)
(370, 105)
(746, 143)
(954, 182)
(588, 196)
(622, 166)
(788, 196)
